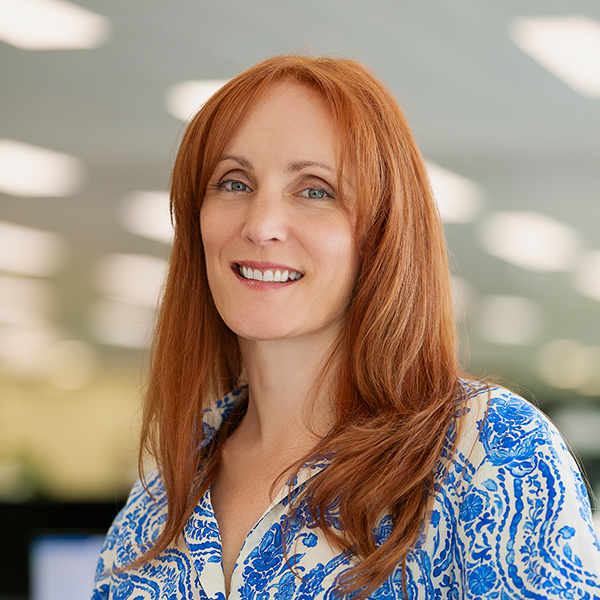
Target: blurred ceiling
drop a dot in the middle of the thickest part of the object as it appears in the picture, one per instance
(479, 106)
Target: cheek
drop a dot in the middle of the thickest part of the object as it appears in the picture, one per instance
(342, 258)
(212, 244)
(205, 228)
(213, 229)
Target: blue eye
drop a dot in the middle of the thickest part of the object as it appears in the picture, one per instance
(316, 194)
(234, 186)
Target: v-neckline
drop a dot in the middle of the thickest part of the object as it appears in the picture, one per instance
(203, 537)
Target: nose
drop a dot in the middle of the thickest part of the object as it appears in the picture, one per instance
(265, 218)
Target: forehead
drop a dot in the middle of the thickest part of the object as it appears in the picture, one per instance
(288, 117)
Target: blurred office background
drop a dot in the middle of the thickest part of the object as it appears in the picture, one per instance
(503, 97)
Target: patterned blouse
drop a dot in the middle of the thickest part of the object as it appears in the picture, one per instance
(512, 520)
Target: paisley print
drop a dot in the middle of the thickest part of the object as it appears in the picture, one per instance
(511, 520)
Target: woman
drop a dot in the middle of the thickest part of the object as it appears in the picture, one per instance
(309, 291)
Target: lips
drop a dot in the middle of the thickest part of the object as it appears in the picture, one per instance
(275, 275)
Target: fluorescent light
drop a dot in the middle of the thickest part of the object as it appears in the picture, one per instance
(586, 279)
(51, 25)
(530, 240)
(24, 301)
(31, 171)
(509, 320)
(568, 46)
(459, 199)
(131, 278)
(121, 324)
(147, 214)
(29, 251)
(132, 283)
(184, 99)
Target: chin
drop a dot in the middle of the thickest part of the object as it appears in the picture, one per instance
(261, 331)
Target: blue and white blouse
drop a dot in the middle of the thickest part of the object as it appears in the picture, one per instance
(511, 521)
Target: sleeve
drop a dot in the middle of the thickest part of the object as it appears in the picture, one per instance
(106, 561)
(524, 523)
(136, 521)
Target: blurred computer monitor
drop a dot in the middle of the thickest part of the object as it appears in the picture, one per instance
(62, 566)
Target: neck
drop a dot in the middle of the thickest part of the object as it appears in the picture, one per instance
(285, 405)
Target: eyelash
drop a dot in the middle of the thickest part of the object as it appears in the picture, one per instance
(327, 193)
(223, 185)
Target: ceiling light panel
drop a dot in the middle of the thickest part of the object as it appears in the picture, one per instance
(131, 278)
(568, 46)
(120, 324)
(459, 199)
(184, 99)
(29, 251)
(530, 240)
(31, 171)
(51, 25)
(147, 214)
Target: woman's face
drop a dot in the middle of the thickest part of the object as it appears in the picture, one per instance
(280, 252)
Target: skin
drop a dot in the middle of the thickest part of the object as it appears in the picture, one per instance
(273, 204)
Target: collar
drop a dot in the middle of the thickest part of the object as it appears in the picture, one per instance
(214, 415)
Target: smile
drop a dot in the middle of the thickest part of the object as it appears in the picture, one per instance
(275, 275)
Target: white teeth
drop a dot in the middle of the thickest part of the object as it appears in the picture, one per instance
(277, 276)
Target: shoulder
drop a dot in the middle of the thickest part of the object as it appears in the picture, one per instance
(146, 501)
(145, 510)
(505, 434)
(516, 502)
(135, 527)
(508, 447)
(501, 427)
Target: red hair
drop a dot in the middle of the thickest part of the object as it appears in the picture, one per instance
(396, 381)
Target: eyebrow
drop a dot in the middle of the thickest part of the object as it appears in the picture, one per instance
(292, 167)
(238, 159)
(303, 164)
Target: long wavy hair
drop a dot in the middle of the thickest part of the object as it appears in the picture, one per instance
(395, 381)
